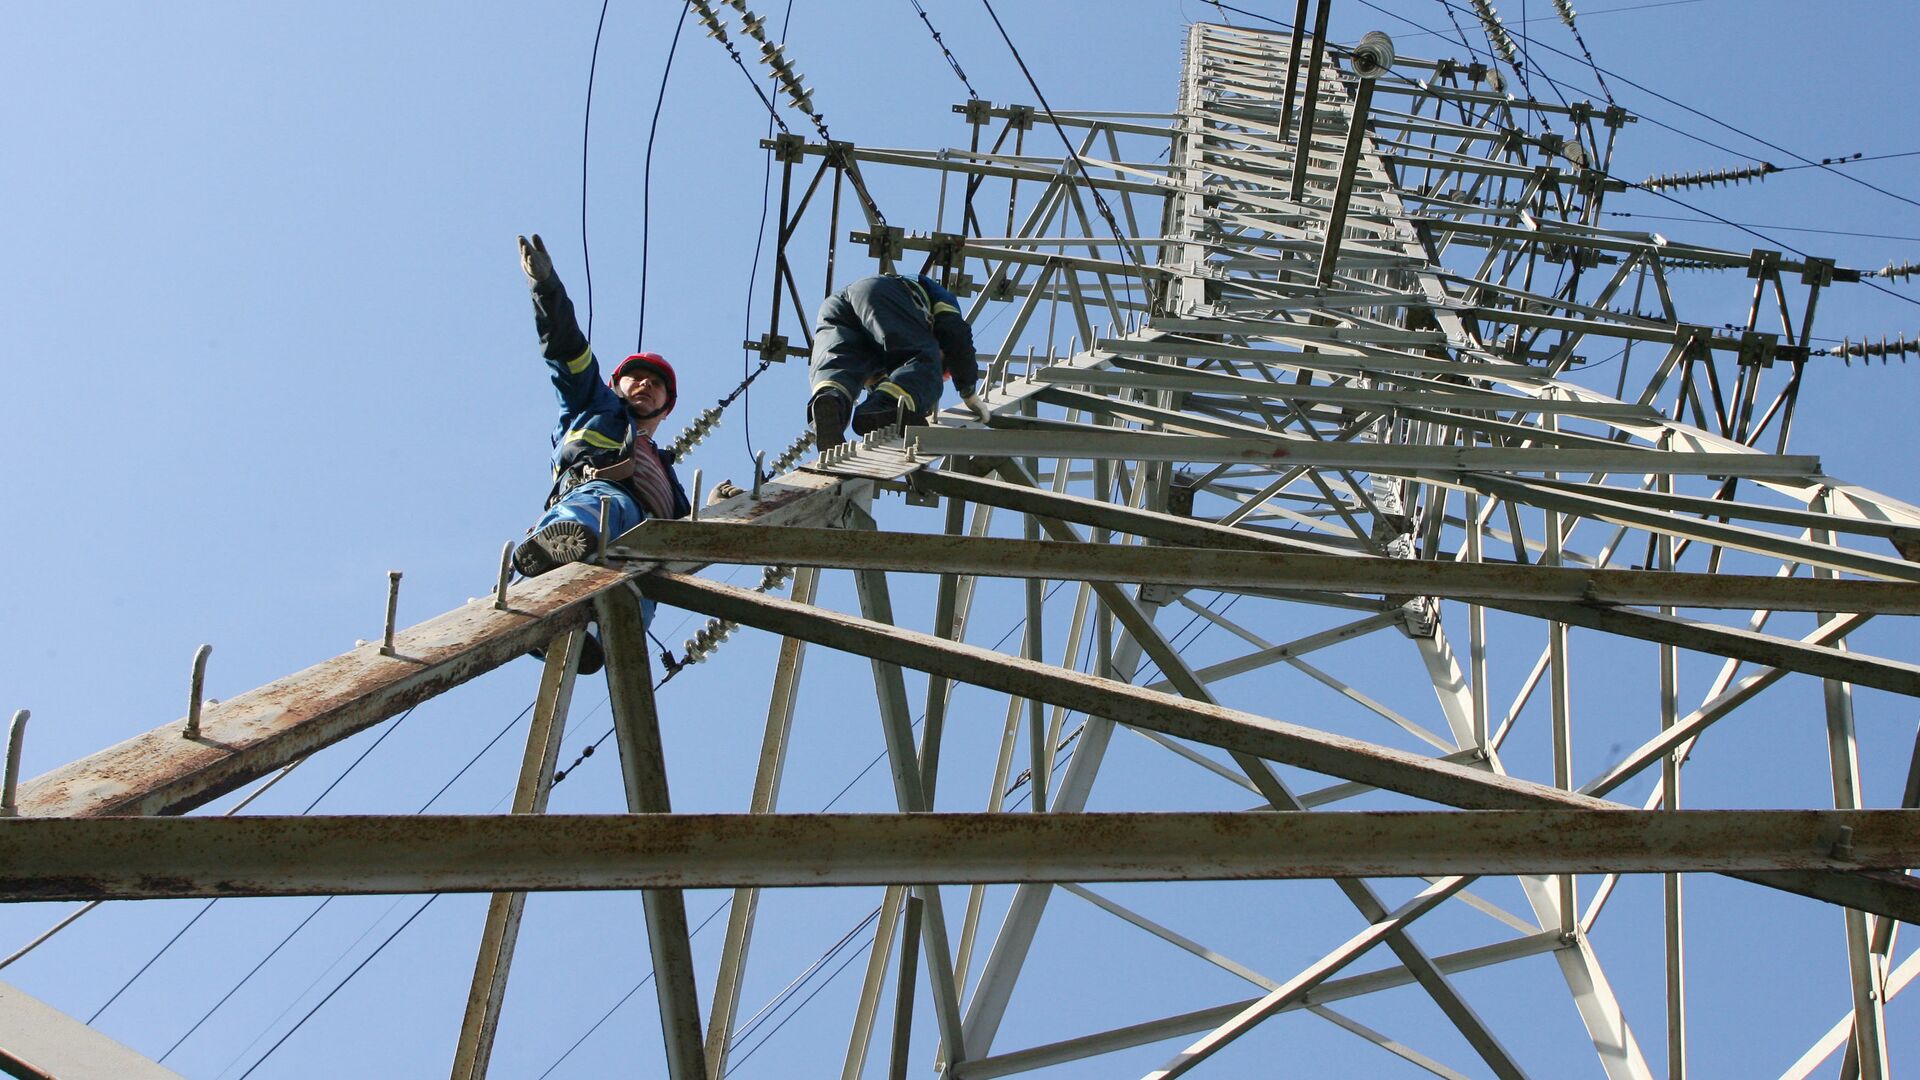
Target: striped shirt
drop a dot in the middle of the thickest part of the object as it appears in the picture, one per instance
(649, 480)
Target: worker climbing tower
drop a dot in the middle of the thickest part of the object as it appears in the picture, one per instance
(1332, 391)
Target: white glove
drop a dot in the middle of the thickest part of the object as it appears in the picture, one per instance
(978, 407)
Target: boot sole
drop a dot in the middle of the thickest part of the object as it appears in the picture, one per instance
(829, 421)
(554, 546)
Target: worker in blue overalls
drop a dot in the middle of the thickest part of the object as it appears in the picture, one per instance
(898, 336)
(603, 449)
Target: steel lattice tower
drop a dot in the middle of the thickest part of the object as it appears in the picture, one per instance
(1325, 396)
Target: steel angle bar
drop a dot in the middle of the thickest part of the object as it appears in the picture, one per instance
(1599, 503)
(1230, 729)
(1106, 515)
(1352, 759)
(1733, 642)
(910, 794)
(1153, 1031)
(957, 161)
(174, 857)
(251, 734)
(1421, 392)
(1799, 518)
(741, 914)
(1298, 986)
(501, 931)
(1363, 353)
(643, 769)
(702, 542)
(1398, 458)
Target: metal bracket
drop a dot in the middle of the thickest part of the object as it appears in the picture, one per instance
(787, 148)
(976, 110)
(1757, 348)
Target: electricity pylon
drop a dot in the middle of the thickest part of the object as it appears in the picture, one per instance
(1320, 398)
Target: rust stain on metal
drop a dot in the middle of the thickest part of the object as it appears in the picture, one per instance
(248, 735)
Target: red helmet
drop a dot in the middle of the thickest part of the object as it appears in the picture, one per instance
(655, 363)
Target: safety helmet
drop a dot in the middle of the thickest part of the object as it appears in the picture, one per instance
(655, 363)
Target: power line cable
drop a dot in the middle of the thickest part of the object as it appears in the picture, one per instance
(1849, 160)
(340, 985)
(208, 906)
(284, 941)
(1783, 228)
(1099, 200)
(586, 128)
(851, 957)
(753, 274)
(830, 804)
(629, 994)
(646, 171)
(1827, 166)
(944, 51)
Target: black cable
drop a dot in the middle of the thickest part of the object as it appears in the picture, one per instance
(944, 51)
(646, 171)
(1829, 162)
(753, 273)
(829, 805)
(284, 941)
(1753, 232)
(586, 127)
(1786, 228)
(851, 957)
(724, 904)
(135, 977)
(759, 1019)
(1099, 201)
(1585, 13)
(340, 985)
(1827, 166)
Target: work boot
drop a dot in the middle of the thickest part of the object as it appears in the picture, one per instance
(554, 545)
(882, 410)
(592, 656)
(828, 412)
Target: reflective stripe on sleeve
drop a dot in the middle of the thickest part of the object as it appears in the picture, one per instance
(579, 363)
(593, 439)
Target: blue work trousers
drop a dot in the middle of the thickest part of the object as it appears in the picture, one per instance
(582, 504)
(870, 332)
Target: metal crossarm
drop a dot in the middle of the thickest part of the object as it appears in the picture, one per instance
(1330, 552)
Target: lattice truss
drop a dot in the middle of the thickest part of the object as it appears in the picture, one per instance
(1441, 575)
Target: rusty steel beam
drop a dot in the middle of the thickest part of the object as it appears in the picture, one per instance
(150, 858)
(1220, 568)
(1895, 895)
(247, 736)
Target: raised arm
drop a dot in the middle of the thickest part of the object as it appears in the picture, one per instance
(575, 373)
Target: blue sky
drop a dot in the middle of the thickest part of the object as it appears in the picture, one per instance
(265, 339)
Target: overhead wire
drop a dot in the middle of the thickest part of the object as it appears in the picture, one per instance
(1783, 228)
(73, 916)
(830, 804)
(944, 51)
(357, 968)
(1827, 166)
(1073, 154)
(586, 129)
(646, 171)
(753, 273)
(318, 908)
(208, 906)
